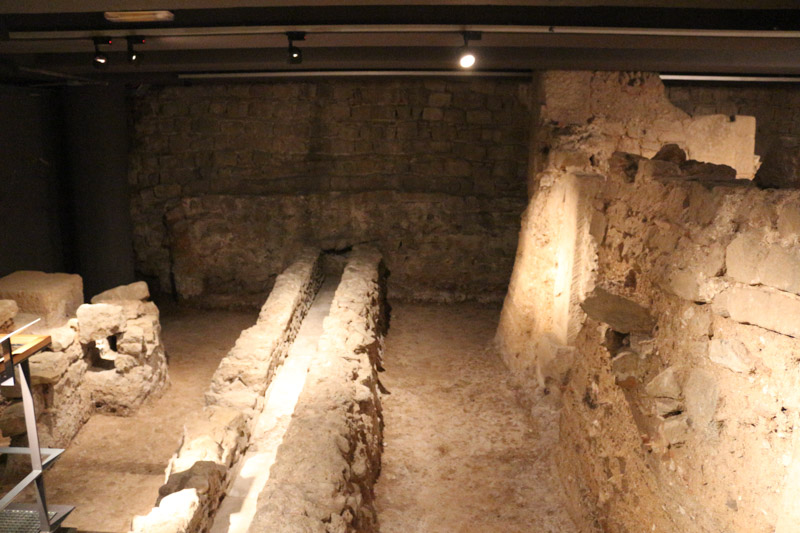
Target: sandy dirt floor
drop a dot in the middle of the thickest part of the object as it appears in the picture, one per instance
(113, 468)
(461, 454)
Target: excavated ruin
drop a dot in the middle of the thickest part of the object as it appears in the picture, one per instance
(640, 375)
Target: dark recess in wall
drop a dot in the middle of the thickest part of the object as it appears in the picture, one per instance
(32, 217)
(96, 132)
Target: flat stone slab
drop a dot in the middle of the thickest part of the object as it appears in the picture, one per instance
(623, 315)
(53, 297)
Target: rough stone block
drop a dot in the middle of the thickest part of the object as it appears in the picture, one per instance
(730, 353)
(789, 220)
(760, 306)
(48, 367)
(664, 385)
(133, 291)
(701, 394)
(54, 297)
(99, 321)
(62, 338)
(12, 420)
(781, 166)
(672, 153)
(675, 429)
(621, 314)
(752, 261)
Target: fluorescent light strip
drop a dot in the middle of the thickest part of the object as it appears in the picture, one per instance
(415, 28)
(346, 73)
(732, 79)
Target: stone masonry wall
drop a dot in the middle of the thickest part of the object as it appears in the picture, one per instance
(329, 460)
(776, 107)
(660, 313)
(229, 181)
(214, 438)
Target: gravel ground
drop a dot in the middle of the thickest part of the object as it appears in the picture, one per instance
(461, 454)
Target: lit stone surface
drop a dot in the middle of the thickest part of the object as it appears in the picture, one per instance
(54, 297)
(134, 291)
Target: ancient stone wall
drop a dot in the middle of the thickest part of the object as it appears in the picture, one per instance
(659, 310)
(109, 357)
(776, 107)
(229, 181)
(329, 460)
(214, 438)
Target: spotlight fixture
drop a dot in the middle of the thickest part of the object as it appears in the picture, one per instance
(100, 60)
(294, 54)
(133, 56)
(467, 57)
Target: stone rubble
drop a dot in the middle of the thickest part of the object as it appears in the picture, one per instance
(81, 373)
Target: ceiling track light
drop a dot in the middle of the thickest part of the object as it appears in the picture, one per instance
(294, 54)
(100, 60)
(467, 57)
(133, 56)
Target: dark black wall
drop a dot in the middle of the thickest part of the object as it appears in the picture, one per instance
(33, 226)
(96, 134)
(63, 184)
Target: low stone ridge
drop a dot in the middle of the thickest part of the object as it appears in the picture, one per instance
(326, 467)
(244, 374)
(215, 438)
(621, 314)
(53, 297)
(134, 291)
(781, 166)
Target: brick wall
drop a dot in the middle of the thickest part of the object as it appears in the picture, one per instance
(775, 106)
(431, 141)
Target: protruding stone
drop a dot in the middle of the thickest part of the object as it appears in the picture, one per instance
(701, 394)
(12, 420)
(623, 315)
(61, 338)
(702, 171)
(672, 153)
(664, 385)
(626, 367)
(134, 291)
(781, 166)
(99, 321)
(54, 297)
(667, 406)
(675, 429)
(730, 353)
(48, 367)
(624, 165)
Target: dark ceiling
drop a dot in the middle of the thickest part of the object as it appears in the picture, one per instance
(51, 41)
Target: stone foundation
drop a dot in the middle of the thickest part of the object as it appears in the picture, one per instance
(329, 460)
(109, 358)
(214, 439)
(656, 301)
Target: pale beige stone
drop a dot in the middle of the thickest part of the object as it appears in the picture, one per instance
(133, 291)
(99, 321)
(664, 385)
(54, 297)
